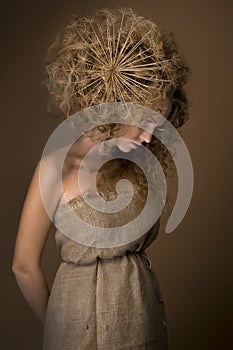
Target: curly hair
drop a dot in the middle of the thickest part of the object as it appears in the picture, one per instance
(116, 55)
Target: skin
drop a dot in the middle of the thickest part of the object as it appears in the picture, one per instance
(35, 223)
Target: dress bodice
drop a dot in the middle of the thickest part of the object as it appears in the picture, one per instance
(69, 245)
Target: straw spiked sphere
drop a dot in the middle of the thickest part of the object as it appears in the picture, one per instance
(114, 55)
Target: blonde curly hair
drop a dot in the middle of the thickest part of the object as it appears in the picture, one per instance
(116, 55)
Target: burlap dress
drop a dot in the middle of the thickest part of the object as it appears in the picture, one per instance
(104, 298)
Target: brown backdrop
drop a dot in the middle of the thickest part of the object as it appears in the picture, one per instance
(192, 263)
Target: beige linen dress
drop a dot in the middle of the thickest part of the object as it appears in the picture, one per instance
(104, 298)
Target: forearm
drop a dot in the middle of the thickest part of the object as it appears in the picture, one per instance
(34, 289)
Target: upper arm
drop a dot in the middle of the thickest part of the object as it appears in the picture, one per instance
(33, 227)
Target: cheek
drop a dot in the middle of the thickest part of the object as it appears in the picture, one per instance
(132, 132)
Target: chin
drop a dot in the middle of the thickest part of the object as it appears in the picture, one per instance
(125, 149)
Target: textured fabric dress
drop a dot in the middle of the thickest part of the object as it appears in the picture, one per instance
(104, 298)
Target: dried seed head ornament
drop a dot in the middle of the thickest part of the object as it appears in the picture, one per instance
(116, 55)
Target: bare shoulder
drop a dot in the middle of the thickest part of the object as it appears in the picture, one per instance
(51, 170)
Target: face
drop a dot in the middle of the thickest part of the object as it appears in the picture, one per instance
(135, 135)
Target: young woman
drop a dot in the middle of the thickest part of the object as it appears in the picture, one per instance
(102, 298)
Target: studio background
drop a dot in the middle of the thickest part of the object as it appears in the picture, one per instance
(192, 263)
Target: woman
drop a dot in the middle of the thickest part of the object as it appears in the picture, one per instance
(105, 298)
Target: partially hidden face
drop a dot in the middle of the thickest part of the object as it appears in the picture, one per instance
(135, 135)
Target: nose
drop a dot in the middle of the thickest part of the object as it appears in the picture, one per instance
(145, 136)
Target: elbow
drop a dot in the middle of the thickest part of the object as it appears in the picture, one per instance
(16, 269)
(19, 269)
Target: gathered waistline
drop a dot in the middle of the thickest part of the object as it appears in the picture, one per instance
(103, 258)
(127, 253)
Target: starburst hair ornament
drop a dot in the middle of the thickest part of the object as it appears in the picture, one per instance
(114, 55)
